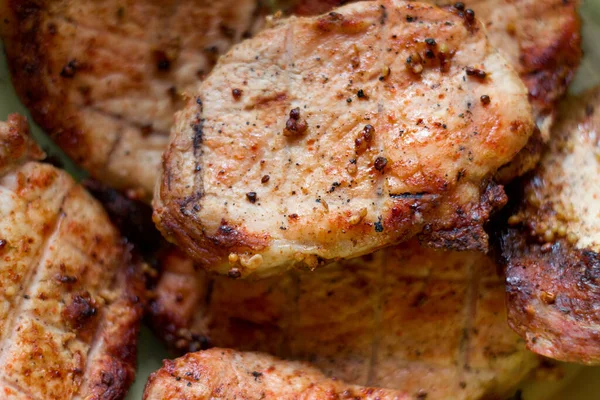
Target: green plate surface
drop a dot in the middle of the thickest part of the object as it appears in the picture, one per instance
(577, 383)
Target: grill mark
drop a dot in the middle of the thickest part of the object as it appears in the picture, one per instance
(378, 318)
(287, 324)
(29, 282)
(470, 309)
(95, 346)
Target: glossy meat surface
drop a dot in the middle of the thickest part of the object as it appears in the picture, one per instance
(70, 292)
(426, 322)
(332, 136)
(551, 249)
(541, 38)
(226, 374)
(104, 78)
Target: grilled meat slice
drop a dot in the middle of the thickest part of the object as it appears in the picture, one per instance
(551, 249)
(103, 78)
(427, 322)
(352, 131)
(541, 38)
(71, 293)
(224, 373)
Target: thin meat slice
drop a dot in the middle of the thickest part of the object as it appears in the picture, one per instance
(551, 248)
(226, 374)
(429, 323)
(71, 294)
(329, 137)
(104, 78)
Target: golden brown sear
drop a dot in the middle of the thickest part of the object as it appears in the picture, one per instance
(227, 374)
(104, 78)
(552, 246)
(426, 322)
(541, 38)
(332, 136)
(70, 292)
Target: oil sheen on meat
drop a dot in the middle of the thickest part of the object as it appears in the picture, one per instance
(329, 137)
(425, 322)
(552, 247)
(70, 292)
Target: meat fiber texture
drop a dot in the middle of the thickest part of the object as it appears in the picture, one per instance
(330, 137)
(70, 291)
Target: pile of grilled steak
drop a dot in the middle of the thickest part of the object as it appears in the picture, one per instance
(362, 198)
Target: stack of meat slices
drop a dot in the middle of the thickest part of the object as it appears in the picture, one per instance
(71, 293)
(311, 147)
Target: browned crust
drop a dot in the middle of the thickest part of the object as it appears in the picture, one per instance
(547, 59)
(115, 365)
(548, 70)
(552, 295)
(553, 285)
(25, 40)
(16, 145)
(224, 373)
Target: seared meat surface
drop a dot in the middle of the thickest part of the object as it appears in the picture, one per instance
(541, 38)
(551, 249)
(426, 322)
(329, 137)
(226, 374)
(71, 294)
(104, 78)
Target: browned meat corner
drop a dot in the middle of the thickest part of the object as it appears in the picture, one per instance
(429, 323)
(541, 38)
(72, 295)
(224, 373)
(329, 137)
(104, 78)
(551, 249)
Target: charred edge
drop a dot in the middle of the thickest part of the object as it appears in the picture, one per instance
(132, 217)
(183, 207)
(198, 128)
(408, 195)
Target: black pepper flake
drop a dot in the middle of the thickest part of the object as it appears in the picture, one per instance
(476, 72)
(459, 6)
(429, 53)
(251, 196)
(69, 70)
(469, 15)
(348, 100)
(295, 125)
(485, 99)
(361, 94)
(333, 186)
(430, 41)
(265, 179)
(236, 93)
(256, 375)
(410, 18)
(234, 273)
(379, 226)
(380, 163)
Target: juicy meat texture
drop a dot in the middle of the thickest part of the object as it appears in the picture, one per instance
(541, 38)
(104, 78)
(329, 137)
(70, 291)
(226, 374)
(551, 249)
(429, 323)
